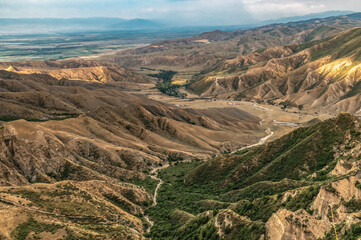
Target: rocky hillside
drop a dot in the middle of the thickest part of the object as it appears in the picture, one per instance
(208, 50)
(300, 186)
(321, 75)
(73, 154)
(73, 210)
(118, 142)
(40, 96)
(85, 154)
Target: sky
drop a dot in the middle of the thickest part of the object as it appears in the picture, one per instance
(181, 12)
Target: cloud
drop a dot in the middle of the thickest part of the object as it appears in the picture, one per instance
(273, 9)
(181, 12)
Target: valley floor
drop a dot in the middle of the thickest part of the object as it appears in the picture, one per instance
(278, 120)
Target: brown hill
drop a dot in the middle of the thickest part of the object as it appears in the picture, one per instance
(118, 142)
(317, 75)
(40, 96)
(75, 70)
(208, 50)
(113, 123)
(68, 149)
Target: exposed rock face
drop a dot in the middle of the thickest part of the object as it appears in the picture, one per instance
(67, 149)
(274, 191)
(209, 50)
(323, 76)
(128, 141)
(69, 207)
(285, 224)
(228, 219)
(73, 144)
(281, 226)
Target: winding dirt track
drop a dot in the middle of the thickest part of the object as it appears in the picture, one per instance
(268, 130)
(260, 142)
(154, 172)
(154, 175)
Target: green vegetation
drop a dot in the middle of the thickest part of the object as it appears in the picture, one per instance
(194, 199)
(170, 89)
(67, 202)
(258, 209)
(358, 184)
(148, 183)
(353, 205)
(166, 86)
(174, 158)
(174, 194)
(352, 233)
(302, 200)
(295, 156)
(165, 76)
(33, 226)
(55, 117)
(251, 183)
(340, 46)
(198, 228)
(83, 208)
(261, 189)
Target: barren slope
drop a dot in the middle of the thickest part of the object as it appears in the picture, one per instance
(75, 70)
(68, 149)
(317, 75)
(208, 50)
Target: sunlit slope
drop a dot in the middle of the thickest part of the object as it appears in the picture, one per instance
(311, 75)
(205, 52)
(75, 70)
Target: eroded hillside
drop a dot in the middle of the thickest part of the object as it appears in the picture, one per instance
(321, 75)
(88, 151)
(300, 186)
(204, 53)
(90, 71)
(73, 152)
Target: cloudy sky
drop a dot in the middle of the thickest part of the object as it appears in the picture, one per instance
(185, 12)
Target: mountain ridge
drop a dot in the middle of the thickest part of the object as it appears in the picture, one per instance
(236, 196)
(326, 70)
(204, 53)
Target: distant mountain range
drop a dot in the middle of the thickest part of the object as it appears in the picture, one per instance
(61, 25)
(50, 25)
(308, 17)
